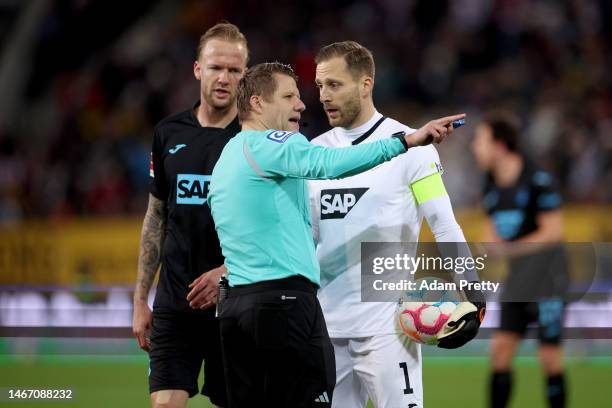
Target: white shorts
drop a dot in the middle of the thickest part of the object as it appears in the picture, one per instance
(385, 368)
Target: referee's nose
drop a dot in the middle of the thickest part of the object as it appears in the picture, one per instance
(300, 106)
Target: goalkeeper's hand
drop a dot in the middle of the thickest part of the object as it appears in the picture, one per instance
(465, 321)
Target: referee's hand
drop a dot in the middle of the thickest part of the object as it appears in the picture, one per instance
(433, 132)
(204, 290)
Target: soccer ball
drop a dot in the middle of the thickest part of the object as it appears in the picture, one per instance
(424, 322)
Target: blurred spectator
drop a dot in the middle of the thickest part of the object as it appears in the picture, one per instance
(80, 144)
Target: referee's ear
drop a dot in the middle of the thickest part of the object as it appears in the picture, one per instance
(255, 102)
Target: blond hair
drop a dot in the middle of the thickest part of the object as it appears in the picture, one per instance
(223, 31)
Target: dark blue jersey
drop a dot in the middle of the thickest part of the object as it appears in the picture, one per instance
(514, 210)
(182, 159)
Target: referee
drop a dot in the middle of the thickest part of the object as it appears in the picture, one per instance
(179, 233)
(276, 348)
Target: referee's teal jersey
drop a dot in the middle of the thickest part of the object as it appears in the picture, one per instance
(260, 204)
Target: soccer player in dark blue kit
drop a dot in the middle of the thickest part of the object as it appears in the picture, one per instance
(523, 206)
(178, 231)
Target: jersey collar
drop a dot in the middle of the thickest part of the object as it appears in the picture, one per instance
(233, 126)
(192, 115)
(355, 133)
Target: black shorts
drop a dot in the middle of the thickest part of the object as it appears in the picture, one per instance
(180, 342)
(515, 317)
(276, 347)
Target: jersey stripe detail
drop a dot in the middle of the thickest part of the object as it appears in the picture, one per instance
(369, 132)
(251, 161)
(428, 188)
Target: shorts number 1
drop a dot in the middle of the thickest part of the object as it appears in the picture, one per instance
(408, 389)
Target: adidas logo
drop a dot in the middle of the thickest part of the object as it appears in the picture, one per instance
(323, 397)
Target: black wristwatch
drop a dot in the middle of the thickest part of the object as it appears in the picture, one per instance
(400, 136)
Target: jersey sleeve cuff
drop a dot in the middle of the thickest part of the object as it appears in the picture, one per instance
(400, 136)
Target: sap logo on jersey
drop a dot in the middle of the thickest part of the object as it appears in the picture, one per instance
(337, 203)
(192, 188)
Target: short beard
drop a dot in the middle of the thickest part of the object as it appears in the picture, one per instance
(350, 111)
(210, 101)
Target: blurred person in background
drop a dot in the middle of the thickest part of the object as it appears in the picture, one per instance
(101, 99)
(522, 206)
(178, 230)
(387, 204)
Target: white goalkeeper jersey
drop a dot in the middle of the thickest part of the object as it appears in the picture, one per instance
(375, 206)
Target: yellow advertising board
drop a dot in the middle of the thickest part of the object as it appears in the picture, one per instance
(105, 251)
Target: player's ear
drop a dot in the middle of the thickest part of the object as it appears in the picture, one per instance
(197, 70)
(367, 85)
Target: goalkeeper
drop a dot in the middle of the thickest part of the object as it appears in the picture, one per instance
(389, 203)
(275, 342)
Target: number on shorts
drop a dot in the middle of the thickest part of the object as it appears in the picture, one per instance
(408, 389)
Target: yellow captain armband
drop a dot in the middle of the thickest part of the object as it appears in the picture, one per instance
(428, 188)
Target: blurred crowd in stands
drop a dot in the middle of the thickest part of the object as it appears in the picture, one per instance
(93, 79)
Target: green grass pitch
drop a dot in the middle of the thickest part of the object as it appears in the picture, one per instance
(121, 381)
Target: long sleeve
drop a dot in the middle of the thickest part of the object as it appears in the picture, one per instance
(436, 208)
(294, 156)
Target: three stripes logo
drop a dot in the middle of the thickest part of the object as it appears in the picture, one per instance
(323, 398)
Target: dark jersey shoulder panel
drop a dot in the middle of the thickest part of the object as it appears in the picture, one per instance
(182, 159)
(514, 210)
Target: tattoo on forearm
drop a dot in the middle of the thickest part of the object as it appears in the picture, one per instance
(151, 243)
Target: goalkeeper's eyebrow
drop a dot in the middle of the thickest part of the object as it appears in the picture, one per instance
(328, 81)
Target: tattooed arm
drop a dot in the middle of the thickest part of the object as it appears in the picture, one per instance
(151, 243)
